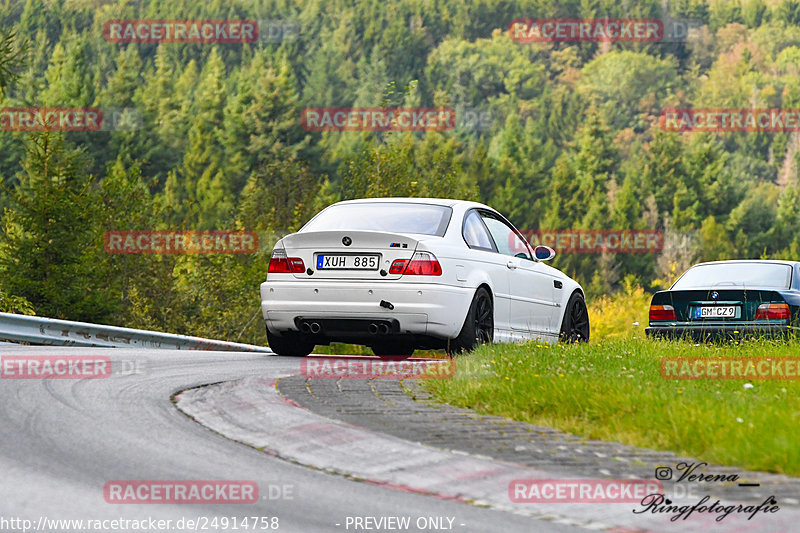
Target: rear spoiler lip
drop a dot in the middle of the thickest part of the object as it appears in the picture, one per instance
(289, 241)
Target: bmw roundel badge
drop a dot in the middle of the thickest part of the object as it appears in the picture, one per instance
(347, 241)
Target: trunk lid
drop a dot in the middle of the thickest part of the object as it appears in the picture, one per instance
(342, 254)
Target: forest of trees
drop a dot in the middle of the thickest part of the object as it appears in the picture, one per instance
(569, 139)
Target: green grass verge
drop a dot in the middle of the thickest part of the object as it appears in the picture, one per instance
(613, 390)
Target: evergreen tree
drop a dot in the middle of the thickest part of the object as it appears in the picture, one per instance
(52, 235)
(579, 193)
(664, 169)
(159, 99)
(199, 193)
(522, 159)
(11, 59)
(262, 119)
(403, 166)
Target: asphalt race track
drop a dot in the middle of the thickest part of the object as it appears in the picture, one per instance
(64, 439)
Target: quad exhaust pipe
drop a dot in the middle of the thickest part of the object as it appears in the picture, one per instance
(314, 326)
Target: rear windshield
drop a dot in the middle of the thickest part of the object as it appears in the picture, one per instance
(394, 217)
(744, 275)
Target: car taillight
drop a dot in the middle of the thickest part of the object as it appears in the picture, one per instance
(280, 264)
(662, 312)
(772, 311)
(420, 264)
(398, 266)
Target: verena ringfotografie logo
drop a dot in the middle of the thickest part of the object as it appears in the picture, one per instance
(358, 368)
(181, 242)
(730, 120)
(592, 30)
(55, 367)
(592, 241)
(180, 492)
(689, 476)
(378, 118)
(582, 490)
(181, 31)
(750, 368)
(69, 119)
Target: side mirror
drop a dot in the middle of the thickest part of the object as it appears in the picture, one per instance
(544, 253)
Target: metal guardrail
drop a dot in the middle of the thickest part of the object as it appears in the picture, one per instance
(54, 332)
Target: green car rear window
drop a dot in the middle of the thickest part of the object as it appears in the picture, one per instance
(736, 275)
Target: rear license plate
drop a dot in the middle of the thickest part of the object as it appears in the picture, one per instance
(348, 262)
(716, 311)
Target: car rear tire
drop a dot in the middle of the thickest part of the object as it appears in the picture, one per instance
(290, 344)
(478, 327)
(400, 349)
(575, 325)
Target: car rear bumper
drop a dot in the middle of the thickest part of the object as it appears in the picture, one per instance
(703, 331)
(418, 309)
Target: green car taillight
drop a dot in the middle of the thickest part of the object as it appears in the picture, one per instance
(773, 311)
(661, 313)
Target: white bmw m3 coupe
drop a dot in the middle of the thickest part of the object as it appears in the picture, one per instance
(397, 274)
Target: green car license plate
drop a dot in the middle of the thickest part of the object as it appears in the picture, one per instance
(717, 311)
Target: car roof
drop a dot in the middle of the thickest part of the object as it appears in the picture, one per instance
(751, 261)
(435, 201)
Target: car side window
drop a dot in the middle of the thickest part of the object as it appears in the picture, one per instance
(475, 234)
(505, 238)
